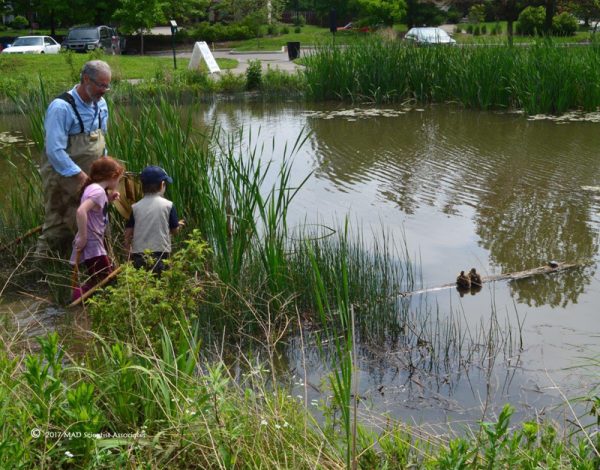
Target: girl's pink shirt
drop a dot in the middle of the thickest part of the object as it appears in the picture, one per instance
(96, 224)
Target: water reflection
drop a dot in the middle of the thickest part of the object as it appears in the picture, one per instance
(522, 180)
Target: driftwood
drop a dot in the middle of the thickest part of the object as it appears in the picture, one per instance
(502, 277)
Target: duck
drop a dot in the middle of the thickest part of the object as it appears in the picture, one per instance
(475, 278)
(463, 281)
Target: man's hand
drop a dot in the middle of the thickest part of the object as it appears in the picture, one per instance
(81, 178)
(181, 223)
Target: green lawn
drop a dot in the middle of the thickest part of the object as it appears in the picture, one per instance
(309, 36)
(58, 67)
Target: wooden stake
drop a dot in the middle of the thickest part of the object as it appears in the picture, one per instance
(18, 240)
(102, 283)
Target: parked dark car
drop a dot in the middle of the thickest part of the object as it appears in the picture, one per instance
(88, 38)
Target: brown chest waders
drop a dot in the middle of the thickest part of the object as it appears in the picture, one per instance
(61, 194)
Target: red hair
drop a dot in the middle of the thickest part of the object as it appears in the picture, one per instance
(103, 169)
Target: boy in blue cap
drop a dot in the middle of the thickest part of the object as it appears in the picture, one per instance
(153, 220)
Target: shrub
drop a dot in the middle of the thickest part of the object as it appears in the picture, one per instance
(497, 29)
(429, 14)
(140, 304)
(476, 30)
(285, 30)
(220, 32)
(297, 29)
(20, 22)
(272, 30)
(531, 20)
(453, 15)
(483, 29)
(253, 75)
(477, 13)
(564, 24)
(457, 29)
(299, 20)
(469, 29)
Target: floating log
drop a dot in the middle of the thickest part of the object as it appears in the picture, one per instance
(547, 269)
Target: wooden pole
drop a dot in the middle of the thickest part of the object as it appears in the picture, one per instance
(18, 240)
(102, 283)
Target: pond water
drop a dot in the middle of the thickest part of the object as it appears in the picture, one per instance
(495, 191)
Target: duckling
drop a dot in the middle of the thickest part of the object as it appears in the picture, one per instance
(475, 278)
(463, 281)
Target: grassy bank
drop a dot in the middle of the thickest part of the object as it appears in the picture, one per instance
(541, 78)
(20, 73)
(182, 370)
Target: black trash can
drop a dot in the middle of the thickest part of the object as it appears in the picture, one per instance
(293, 50)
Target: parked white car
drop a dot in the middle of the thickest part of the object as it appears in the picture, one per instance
(428, 36)
(33, 45)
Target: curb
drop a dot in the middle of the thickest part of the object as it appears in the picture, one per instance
(234, 52)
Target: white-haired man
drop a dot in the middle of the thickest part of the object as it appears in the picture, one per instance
(75, 125)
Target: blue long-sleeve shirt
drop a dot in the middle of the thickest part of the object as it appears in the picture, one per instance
(61, 122)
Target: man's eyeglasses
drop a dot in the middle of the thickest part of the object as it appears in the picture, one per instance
(100, 85)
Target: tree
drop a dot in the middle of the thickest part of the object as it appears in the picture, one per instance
(584, 9)
(183, 11)
(382, 11)
(139, 16)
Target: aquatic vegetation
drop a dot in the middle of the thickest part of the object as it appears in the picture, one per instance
(542, 78)
(121, 404)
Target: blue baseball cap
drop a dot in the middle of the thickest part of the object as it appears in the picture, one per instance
(154, 174)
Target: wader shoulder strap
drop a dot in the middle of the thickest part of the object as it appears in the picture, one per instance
(69, 99)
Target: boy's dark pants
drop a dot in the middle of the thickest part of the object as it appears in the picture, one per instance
(152, 262)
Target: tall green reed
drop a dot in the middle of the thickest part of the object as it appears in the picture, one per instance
(542, 78)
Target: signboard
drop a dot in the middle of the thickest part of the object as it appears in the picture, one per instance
(201, 50)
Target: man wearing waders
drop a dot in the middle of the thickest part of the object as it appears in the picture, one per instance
(75, 125)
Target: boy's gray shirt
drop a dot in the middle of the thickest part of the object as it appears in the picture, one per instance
(151, 230)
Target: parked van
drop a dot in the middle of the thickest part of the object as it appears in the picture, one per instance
(88, 38)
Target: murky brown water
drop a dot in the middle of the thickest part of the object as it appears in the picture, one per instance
(495, 191)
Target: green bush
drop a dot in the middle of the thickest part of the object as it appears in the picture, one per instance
(253, 75)
(564, 24)
(285, 30)
(220, 32)
(483, 29)
(531, 20)
(20, 22)
(476, 30)
(299, 20)
(272, 30)
(140, 304)
(469, 29)
(297, 29)
(429, 14)
(453, 15)
(477, 13)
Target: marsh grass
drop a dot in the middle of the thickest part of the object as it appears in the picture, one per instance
(541, 78)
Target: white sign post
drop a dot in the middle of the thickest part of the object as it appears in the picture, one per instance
(201, 50)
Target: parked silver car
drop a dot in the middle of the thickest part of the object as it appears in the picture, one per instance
(428, 36)
(88, 38)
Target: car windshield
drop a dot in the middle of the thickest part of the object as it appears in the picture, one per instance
(29, 42)
(87, 33)
(433, 34)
